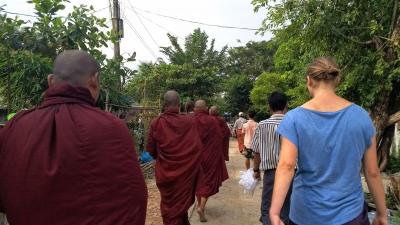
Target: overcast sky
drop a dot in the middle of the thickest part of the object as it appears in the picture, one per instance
(237, 13)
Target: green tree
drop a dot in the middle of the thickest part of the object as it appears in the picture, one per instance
(196, 52)
(27, 50)
(266, 84)
(195, 71)
(237, 93)
(364, 38)
(252, 59)
(244, 65)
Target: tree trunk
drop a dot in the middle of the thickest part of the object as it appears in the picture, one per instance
(384, 122)
(380, 116)
(388, 101)
(394, 118)
(384, 147)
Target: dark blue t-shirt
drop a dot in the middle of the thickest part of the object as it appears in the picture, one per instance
(327, 186)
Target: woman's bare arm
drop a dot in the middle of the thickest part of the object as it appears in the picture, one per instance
(374, 182)
(283, 178)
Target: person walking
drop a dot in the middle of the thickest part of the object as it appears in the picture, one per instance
(248, 130)
(214, 111)
(238, 129)
(173, 140)
(266, 146)
(212, 163)
(67, 161)
(332, 139)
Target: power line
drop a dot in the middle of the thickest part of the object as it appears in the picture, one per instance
(197, 22)
(140, 19)
(140, 38)
(34, 16)
(99, 10)
(19, 14)
(158, 25)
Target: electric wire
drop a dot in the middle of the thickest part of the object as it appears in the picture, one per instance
(99, 10)
(140, 20)
(197, 22)
(35, 16)
(140, 38)
(160, 26)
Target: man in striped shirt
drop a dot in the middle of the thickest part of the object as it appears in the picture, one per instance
(266, 146)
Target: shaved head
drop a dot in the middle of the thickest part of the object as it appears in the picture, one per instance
(171, 99)
(214, 111)
(200, 105)
(75, 67)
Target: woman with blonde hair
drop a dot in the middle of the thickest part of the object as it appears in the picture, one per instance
(331, 139)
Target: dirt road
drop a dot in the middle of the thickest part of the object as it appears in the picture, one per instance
(229, 207)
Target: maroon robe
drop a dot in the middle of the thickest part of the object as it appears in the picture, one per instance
(226, 134)
(67, 162)
(173, 141)
(212, 158)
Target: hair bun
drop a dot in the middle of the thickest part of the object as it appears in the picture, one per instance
(323, 68)
(332, 70)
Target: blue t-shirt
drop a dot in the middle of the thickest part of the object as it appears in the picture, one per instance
(327, 186)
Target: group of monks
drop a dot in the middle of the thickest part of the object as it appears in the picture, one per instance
(68, 162)
(190, 151)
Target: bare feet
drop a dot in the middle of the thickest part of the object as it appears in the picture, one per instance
(201, 215)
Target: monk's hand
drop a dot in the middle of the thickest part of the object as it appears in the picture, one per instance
(275, 220)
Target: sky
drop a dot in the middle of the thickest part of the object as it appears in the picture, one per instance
(237, 13)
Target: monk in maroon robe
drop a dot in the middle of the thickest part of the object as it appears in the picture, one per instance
(67, 162)
(226, 132)
(212, 157)
(173, 141)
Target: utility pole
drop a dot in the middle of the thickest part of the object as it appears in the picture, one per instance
(117, 29)
(115, 26)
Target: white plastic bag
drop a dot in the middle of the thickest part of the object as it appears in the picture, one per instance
(247, 181)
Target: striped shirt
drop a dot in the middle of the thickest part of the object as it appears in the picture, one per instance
(266, 142)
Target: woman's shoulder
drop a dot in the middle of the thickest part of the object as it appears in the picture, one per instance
(357, 111)
(293, 112)
(293, 115)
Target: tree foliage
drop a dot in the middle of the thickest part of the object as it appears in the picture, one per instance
(362, 35)
(195, 71)
(197, 51)
(267, 83)
(244, 65)
(252, 59)
(237, 93)
(27, 50)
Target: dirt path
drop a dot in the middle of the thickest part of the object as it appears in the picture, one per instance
(229, 207)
